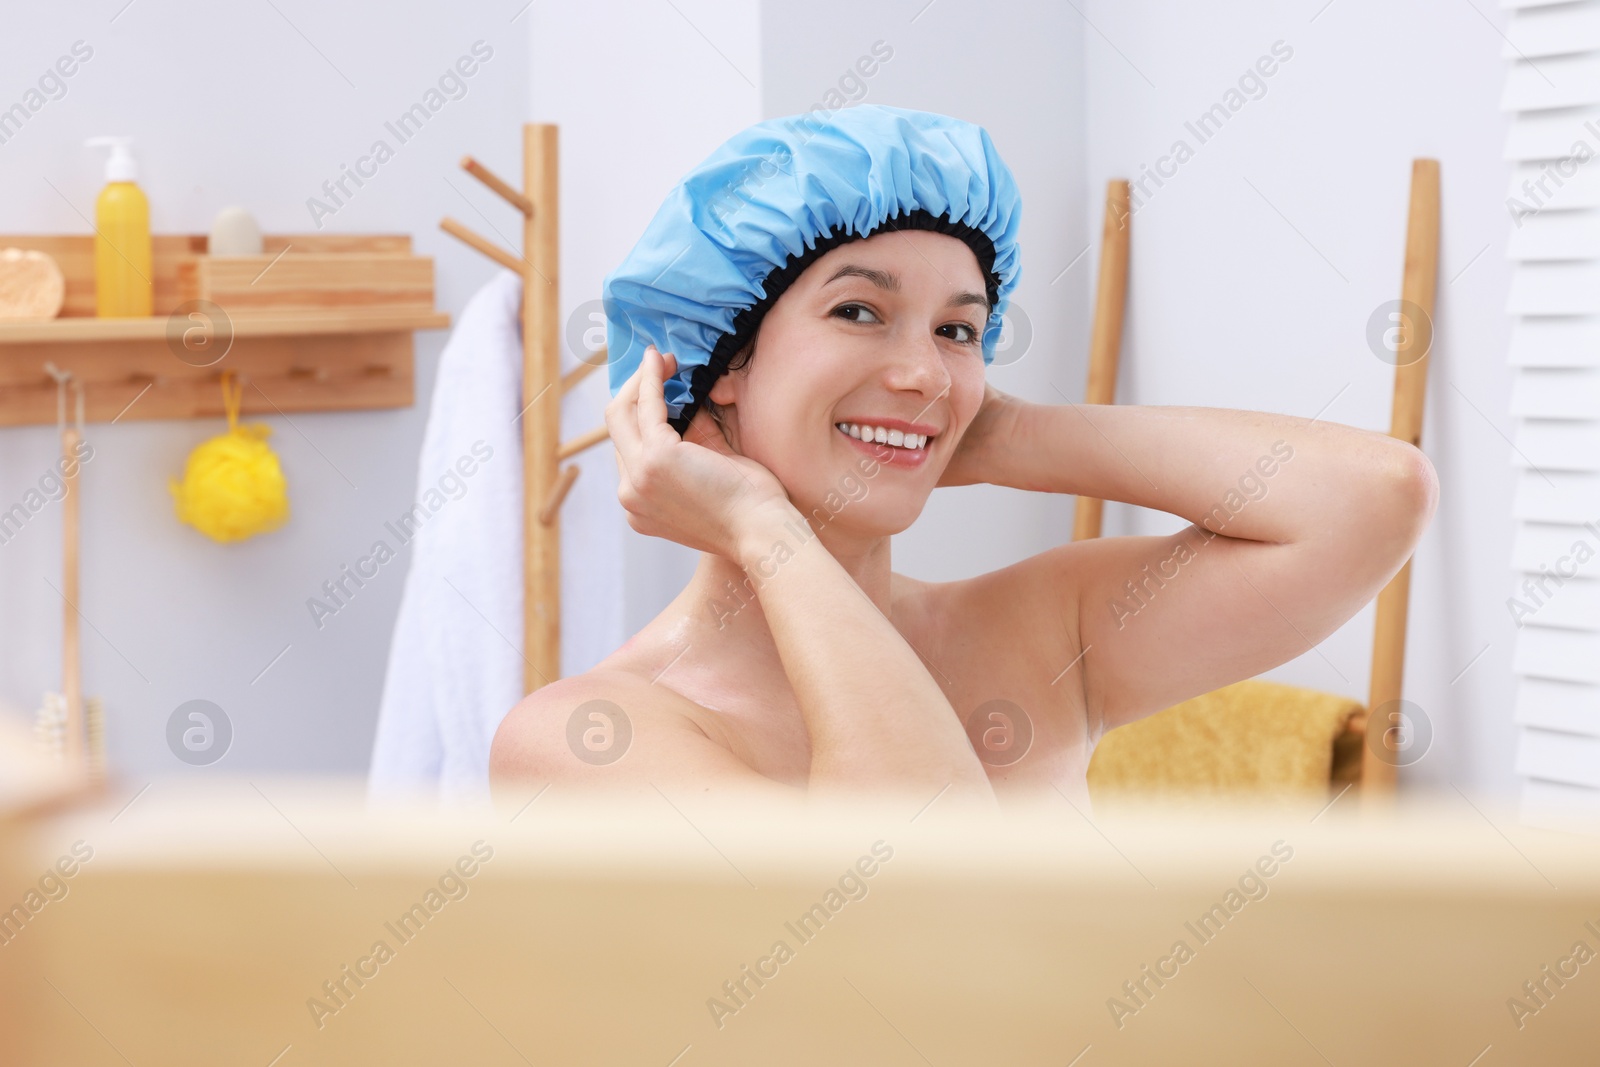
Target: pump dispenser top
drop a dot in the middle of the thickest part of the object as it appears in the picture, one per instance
(120, 166)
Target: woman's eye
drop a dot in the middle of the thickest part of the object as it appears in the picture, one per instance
(973, 336)
(860, 308)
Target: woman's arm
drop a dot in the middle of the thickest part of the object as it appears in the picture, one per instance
(1296, 524)
(875, 716)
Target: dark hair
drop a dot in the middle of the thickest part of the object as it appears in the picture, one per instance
(739, 361)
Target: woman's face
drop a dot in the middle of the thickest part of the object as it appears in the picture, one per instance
(886, 331)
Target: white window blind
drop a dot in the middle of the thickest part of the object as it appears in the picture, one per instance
(1553, 94)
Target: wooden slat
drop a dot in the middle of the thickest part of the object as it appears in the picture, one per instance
(394, 243)
(75, 254)
(541, 419)
(250, 324)
(329, 372)
(310, 281)
(1419, 279)
(76, 747)
(1105, 340)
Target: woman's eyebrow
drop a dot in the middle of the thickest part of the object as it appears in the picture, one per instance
(881, 278)
(891, 283)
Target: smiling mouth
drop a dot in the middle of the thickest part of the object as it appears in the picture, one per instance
(911, 442)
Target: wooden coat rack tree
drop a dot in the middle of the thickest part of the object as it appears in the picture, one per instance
(545, 481)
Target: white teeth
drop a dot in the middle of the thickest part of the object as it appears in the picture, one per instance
(894, 438)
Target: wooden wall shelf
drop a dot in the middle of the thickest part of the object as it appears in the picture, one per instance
(352, 357)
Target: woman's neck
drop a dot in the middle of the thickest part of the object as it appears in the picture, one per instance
(722, 595)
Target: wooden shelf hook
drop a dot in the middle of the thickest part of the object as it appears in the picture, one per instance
(558, 493)
(484, 245)
(582, 441)
(493, 181)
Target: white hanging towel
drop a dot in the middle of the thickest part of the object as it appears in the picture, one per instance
(455, 664)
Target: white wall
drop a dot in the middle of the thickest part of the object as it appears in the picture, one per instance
(233, 104)
(1255, 270)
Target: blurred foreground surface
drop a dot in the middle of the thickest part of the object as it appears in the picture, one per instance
(283, 922)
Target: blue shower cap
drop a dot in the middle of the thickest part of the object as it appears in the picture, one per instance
(742, 226)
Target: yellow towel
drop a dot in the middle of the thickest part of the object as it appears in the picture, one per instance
(1253, 737)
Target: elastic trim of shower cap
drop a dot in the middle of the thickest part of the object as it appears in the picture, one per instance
(779, 279)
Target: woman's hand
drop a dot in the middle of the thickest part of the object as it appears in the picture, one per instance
(986, 442)
(693, 489)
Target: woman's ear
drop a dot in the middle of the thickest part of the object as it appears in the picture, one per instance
(722, 392)
(725, 395)
(726, 399)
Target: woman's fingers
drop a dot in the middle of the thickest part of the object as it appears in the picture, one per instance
(622, 420)
(639, 407)
(652, 390)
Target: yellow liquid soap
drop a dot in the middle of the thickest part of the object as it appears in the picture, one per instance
(123, 278)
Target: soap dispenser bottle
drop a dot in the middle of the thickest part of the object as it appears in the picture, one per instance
(123, 285)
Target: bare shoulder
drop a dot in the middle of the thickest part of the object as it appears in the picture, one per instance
(612, 728)
(600, 709)
(1004, 629)
(1014, 611)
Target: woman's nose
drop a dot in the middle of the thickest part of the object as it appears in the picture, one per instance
(916, 363)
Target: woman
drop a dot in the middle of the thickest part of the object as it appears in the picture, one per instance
(788, 441)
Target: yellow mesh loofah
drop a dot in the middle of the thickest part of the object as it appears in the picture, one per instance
(232, 485)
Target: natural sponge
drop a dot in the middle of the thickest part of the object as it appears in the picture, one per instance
(233, 486)
(31, 285)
